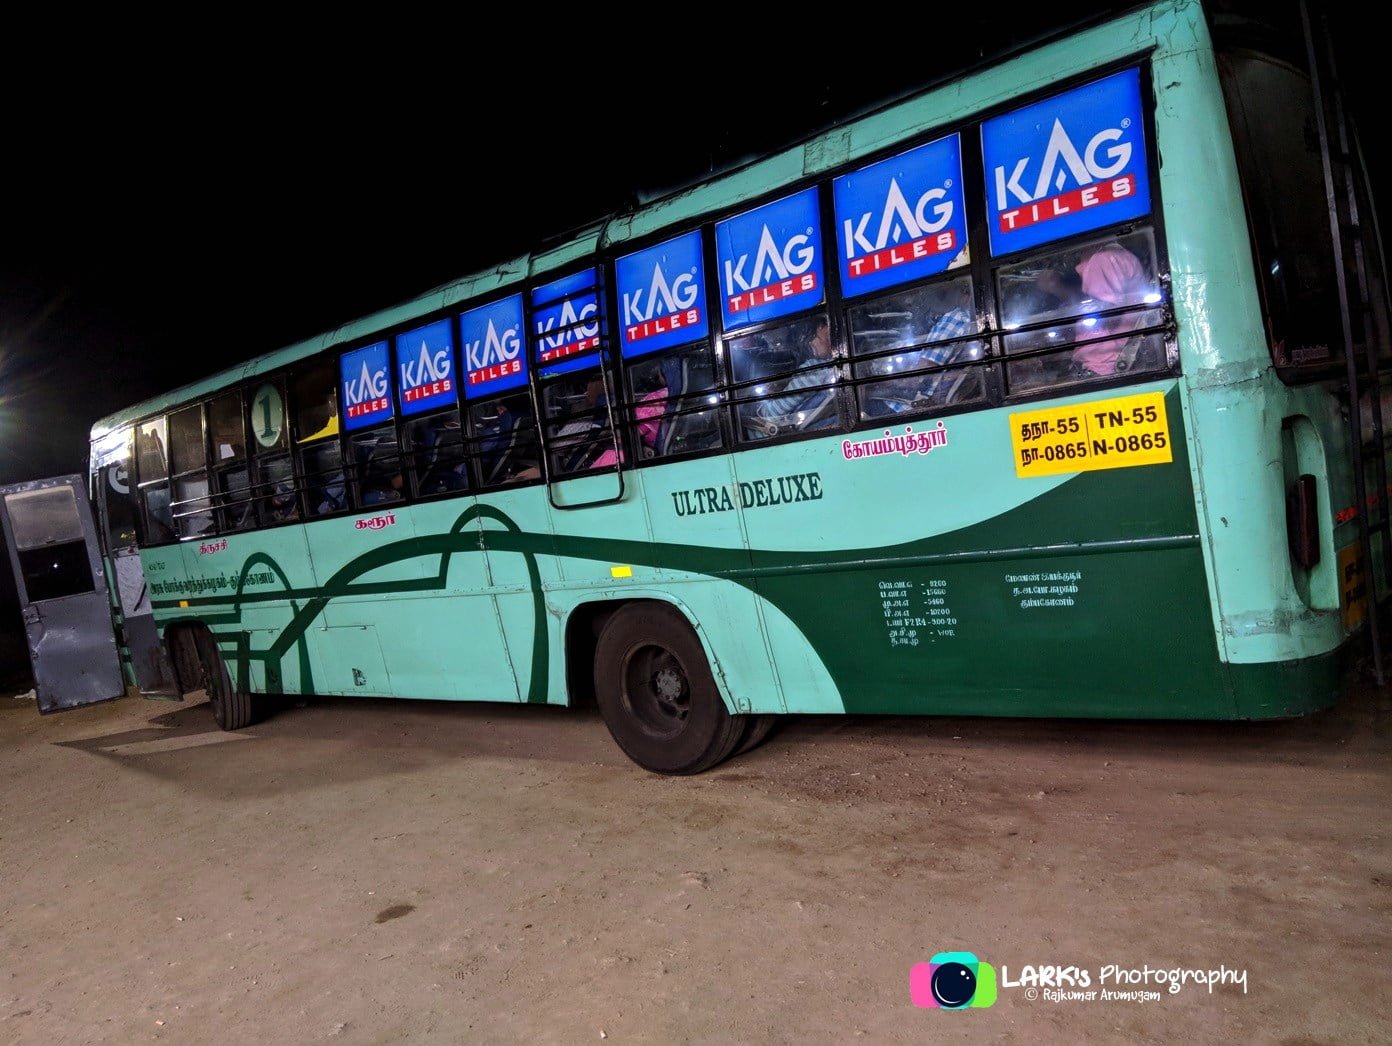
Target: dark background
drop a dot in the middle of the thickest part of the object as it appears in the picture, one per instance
(172, 210)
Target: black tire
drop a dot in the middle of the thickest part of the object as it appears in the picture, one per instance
(657, 695)
(232, 709)
(183, 654)
(754, 733)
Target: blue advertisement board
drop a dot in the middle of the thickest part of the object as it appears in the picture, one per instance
(366, 386)
(662, 295)
(1073, 162)
(492, 340)
(566, 322)
(427, 373)
(901, 219)
(770, 260)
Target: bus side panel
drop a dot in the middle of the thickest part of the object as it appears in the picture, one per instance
(253, 591)
(686, 505)
(1088, 598)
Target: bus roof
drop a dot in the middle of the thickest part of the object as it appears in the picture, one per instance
(992, 79)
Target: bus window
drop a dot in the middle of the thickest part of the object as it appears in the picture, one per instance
(231, 481)
(376, 466)
(790, 369)
(314, 397)
(152, 465)
(191, 505)
(1086, 312)
(274, 491)
(908, 336)
(1272, 113)
(674, 398)
(436, 446)
(577, 421)
(114, 484)
(504, 432)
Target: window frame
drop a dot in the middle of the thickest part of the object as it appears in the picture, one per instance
(201, 406)
(143, 486)
(328, 359)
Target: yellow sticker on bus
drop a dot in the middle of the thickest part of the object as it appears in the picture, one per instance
(1102, 434)
(1353, 591)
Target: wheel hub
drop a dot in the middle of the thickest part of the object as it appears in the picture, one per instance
(668, 684)
(656, 690)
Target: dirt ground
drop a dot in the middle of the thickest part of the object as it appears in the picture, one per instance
(374, 871)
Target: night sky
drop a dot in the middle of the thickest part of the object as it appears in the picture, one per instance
(170, 212)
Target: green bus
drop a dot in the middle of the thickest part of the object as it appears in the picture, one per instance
(1027, 395)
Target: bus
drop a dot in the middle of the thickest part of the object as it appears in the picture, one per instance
(1045, 391)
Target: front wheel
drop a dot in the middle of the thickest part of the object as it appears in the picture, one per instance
(657, 695)
(232, 709)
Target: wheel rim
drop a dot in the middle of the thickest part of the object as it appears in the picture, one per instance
(656, 690)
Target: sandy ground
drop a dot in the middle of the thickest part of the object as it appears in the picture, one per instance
(379, 871)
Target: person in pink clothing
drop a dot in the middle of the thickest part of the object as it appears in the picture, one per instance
(649, 416)
(1112, 277)
(1109, 276)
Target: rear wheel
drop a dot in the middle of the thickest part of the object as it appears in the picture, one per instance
(657, 695)
(232, 709)
(754, 734)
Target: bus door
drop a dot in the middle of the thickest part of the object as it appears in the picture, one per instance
(62, 592)
(117, 521)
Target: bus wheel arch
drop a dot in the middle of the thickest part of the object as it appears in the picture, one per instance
(585, 623)
(655, 685)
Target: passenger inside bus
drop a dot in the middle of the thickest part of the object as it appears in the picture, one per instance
(647, 416)
(806, 400)
(324, 481)
(282, 502)
(438, 451)
(377, 463)
(1109, 276)
(506, 439)
(578, 404)
(675, 393)
(1071, 286)
(938, 317)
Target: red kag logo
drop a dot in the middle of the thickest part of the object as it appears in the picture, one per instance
(435, 388)
(367, 407)
(1068, 203)
(376, 522)
(573, 349)
(902, 254)
(772, 292)
(663, 324)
